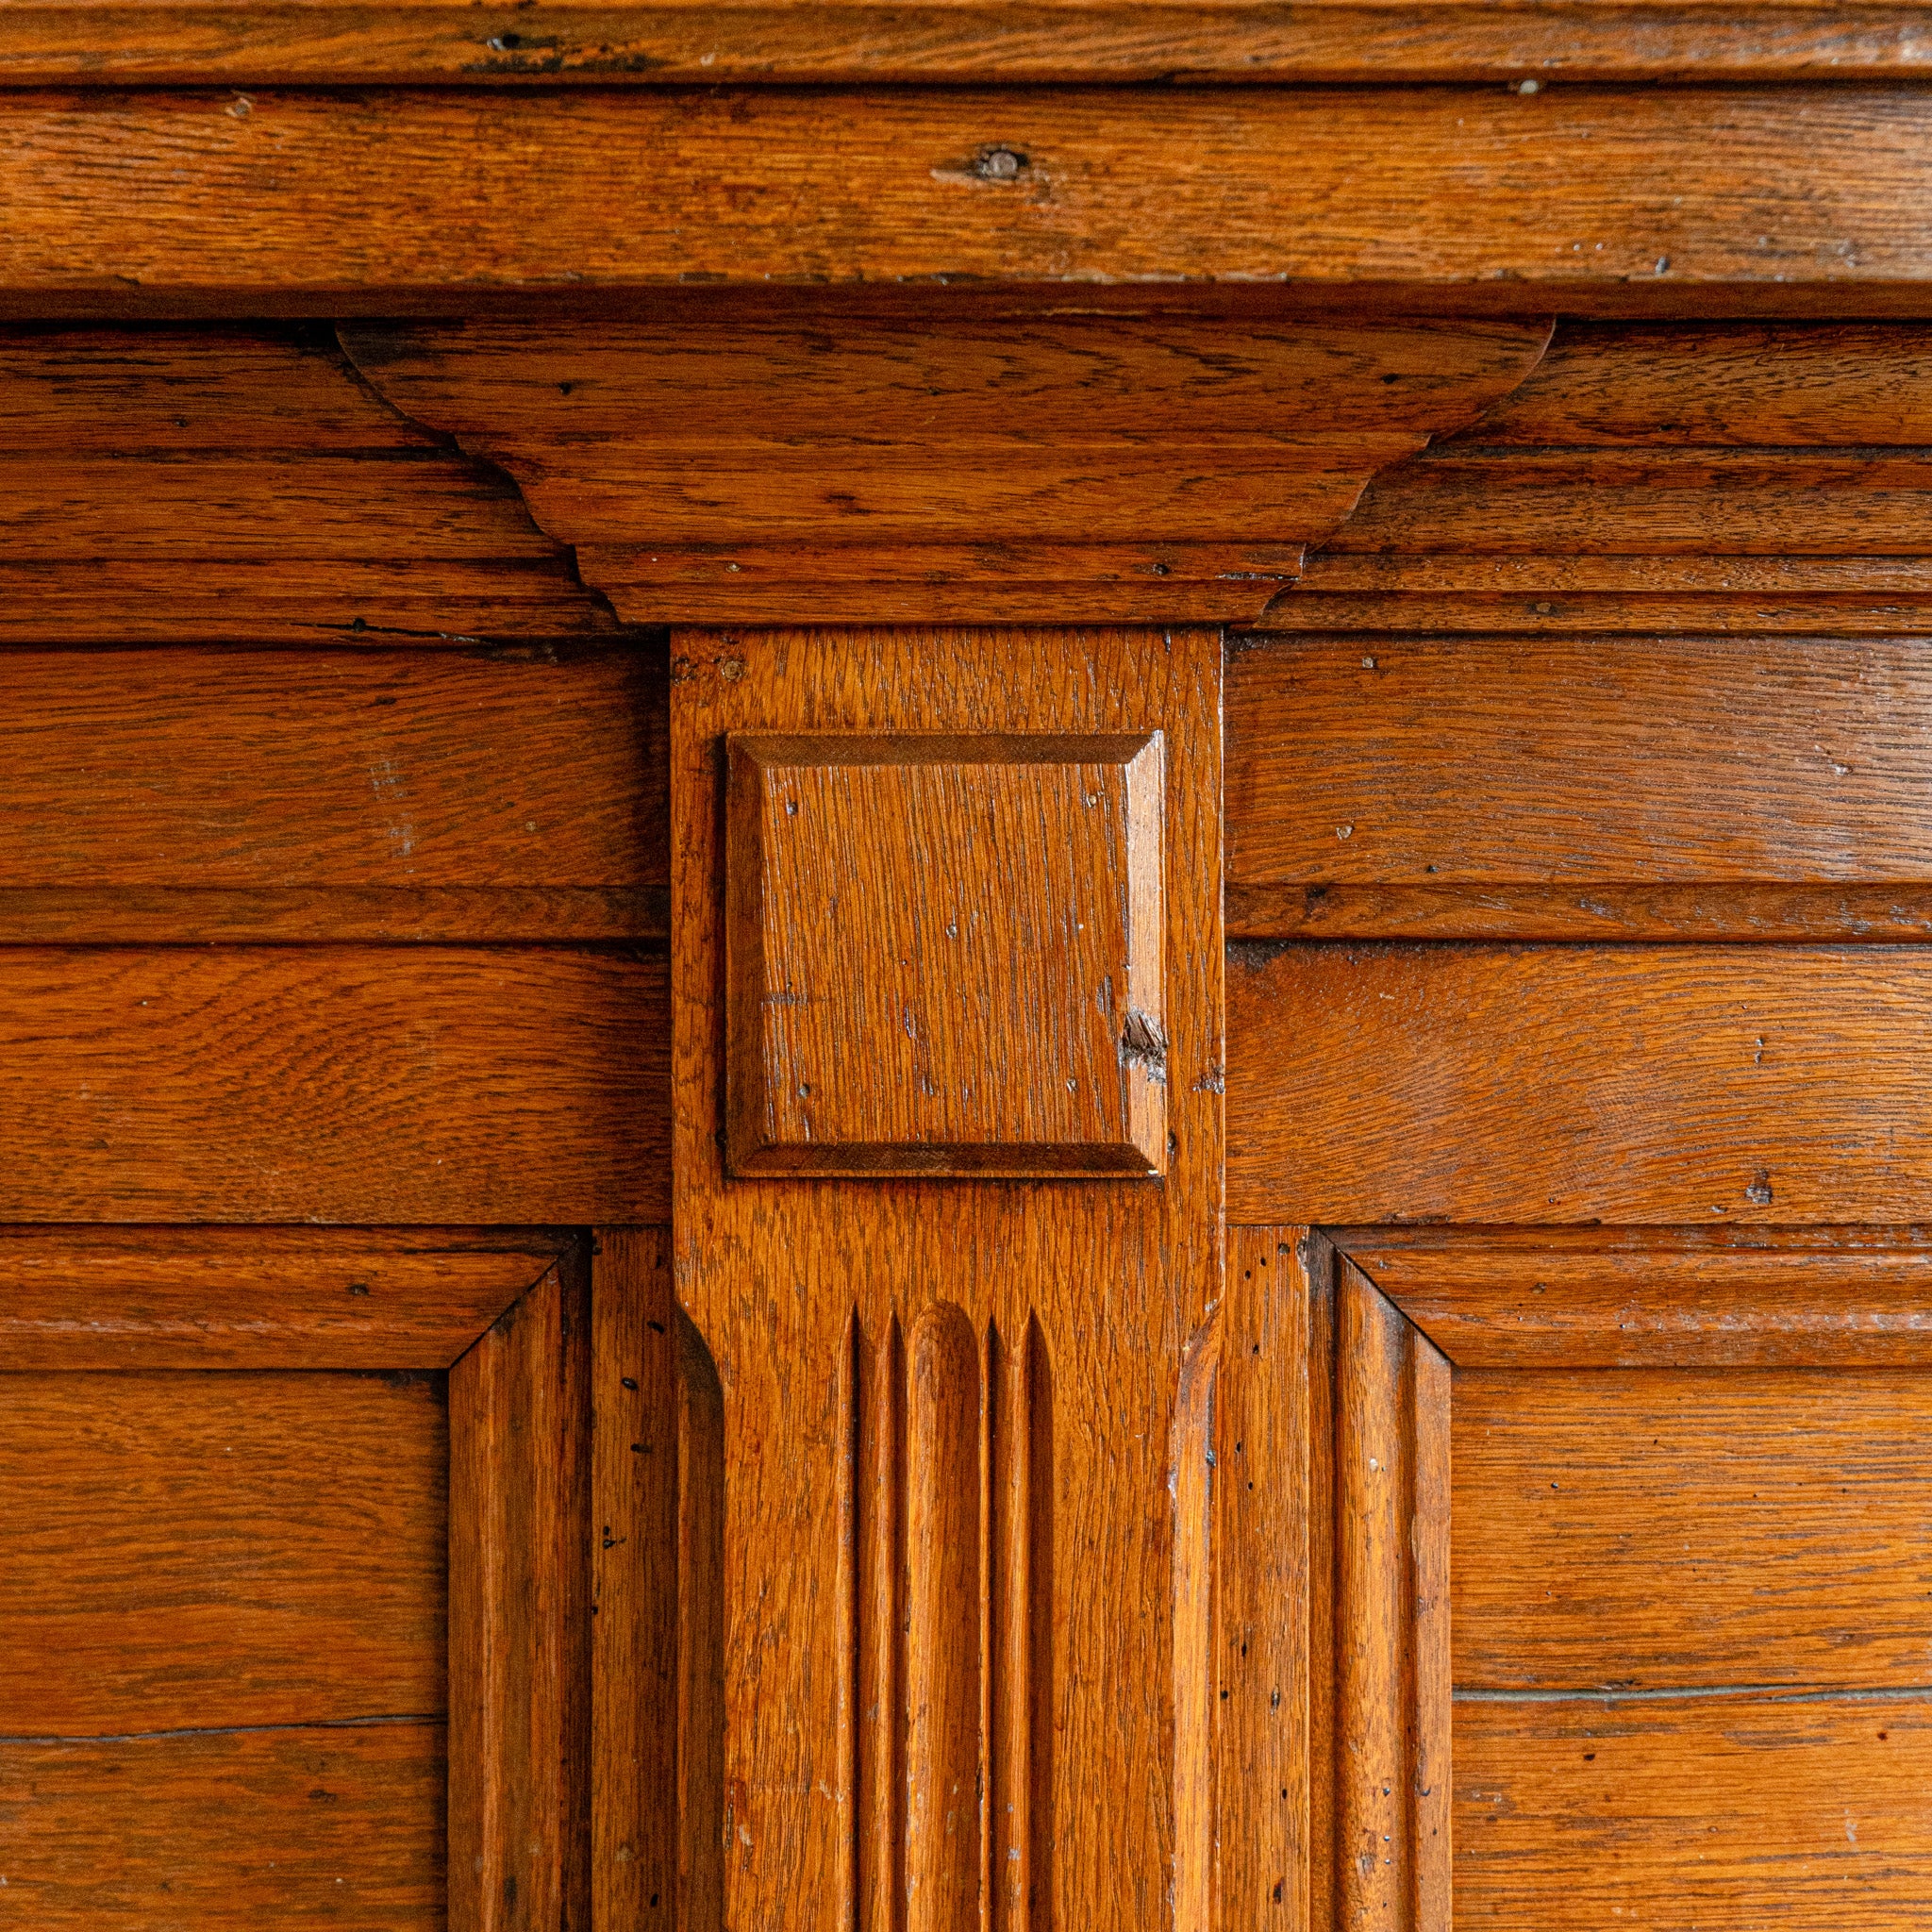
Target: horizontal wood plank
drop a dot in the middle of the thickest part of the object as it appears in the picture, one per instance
(246, 915)
(1828, 384)
(220, 1551)
(310, 1827)
(1487, 1307)
(1677, 1083)
(1480, 195)
(1690, 1528)
(382, 1084)
(1486, 909)
(1694, 1815)
(1427, 762)
(348, 42)
(268, 770)
(150, 1298)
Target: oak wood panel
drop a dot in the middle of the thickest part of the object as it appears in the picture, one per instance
(1662, 1308)
(1687, 1528)
(809, 1300)
(304, 199)
(222, 1550)
(1652, 501)
(636, 1479)
(1487, 1083)
(1504, 760)
(1841, 383)
(308, 915)
(325, 1083)
(322, 1826)
(152, 1299)
(345, 43)
(520, 1613)
(1719, 1814)
(1266, 1401)
(1392, 1626)
(271, 770)
(240, 482)
(837, 465)
(1488, 909)
(945, 953)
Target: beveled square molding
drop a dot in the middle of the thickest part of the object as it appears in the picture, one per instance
(944, 955)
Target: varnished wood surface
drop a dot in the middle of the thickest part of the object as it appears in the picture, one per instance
(304, 199)
(1734, 478)
(181, 1555)
(911, 914)
(1083, 1299)
(1713, 1814)
(397, 1085)
(1679, 1528)
(150, 1299)
(270, 770)
(1661, 1305)
(1492, 1083)
(337, 1828)
(345, 43)
(1423, 763)
(837, 465)
(520, 1613)
(241, 483)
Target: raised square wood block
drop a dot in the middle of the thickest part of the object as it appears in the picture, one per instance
(945, 955)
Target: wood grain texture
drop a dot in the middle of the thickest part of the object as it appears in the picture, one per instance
(325, 1083)
(810, 1297)
(1432, 763)
(149, 1299)
(241, 483)
(1690, 1528)
(635, 1483)
(1392, 1529)
(1265, 1506)
(345, 43)
(520, 1598)
(315, 1827)
(181, 1555)
(1721, 909)
(947, 955)
(352, 202)
(1646, 1084)
(1714, 1813)
(1728, 479)
(264, 771)
(947, 465)
(1663, 1308)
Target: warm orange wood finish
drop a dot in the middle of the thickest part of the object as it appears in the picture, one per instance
(224, 1831)
(236, 483)
(1683, 1606)
(349, 41)
(519, 1615)
(962, 1659)
(246, 1579)
(839, 471)
(147, 1299)
(1649, 478)
(245, 1606)
(270, 773)
(307, 201)
(945, 953)
(526, 1086)
(1476, 1083)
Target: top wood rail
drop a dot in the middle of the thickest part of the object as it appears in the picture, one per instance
(353, 42)
(459, 200)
